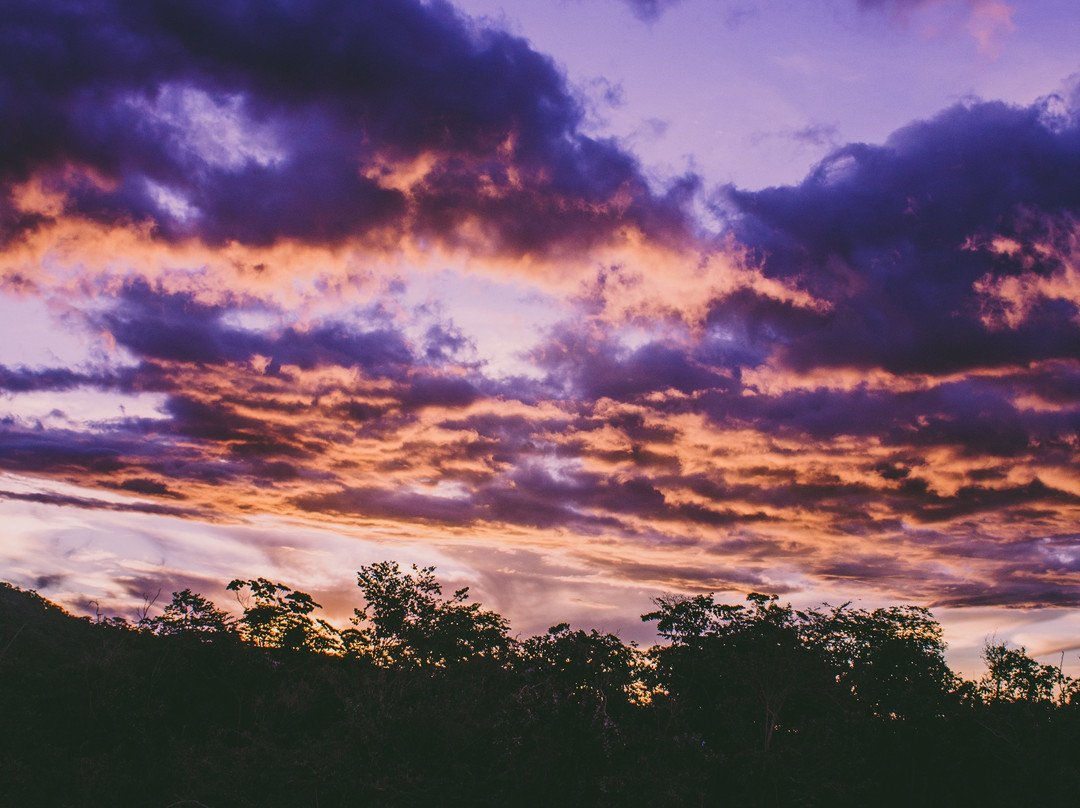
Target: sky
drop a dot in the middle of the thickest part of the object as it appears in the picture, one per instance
(581, 302)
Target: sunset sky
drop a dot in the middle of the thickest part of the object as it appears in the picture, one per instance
(581, 301)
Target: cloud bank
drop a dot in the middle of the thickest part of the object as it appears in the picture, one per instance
(319, 123)
(869, 379)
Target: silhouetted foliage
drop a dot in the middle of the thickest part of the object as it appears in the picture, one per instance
(579, 664)
(428, 701)
(406, 621)
(891, 659)
(281, 618)
(189, 614)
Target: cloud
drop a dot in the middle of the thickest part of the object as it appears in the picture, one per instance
(655, 436)
(158, 325)
(22, 379)
(870, 376)
(904, 6)
(891, 237)
(323, 124)
(90, 503)
(816, 134)
(650, 10)
(985, 20)
(593, 366)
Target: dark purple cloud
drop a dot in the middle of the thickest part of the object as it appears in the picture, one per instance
(375, 502)
(23, 380)
(971, 500)
(977, 417)
(143, 485)
(593, 364)
(175, 327)
(88, 503)
(521, 490)
(888, 236)
(313, 106)
(231, 407)
(57, 451)
(439, 391)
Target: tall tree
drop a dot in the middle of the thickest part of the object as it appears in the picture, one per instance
(892, 659)
(740, 672)
(190, 614)
(1013, 676)
(406, 621)
(277, 617)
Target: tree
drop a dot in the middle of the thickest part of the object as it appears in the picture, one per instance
(281, 618)
(891, 659)
(190, 614)
(581, 664)
(684, 620)
(1013, 676)
(739, 671)
(406, 621)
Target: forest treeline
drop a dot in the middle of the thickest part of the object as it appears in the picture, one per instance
(428, 699)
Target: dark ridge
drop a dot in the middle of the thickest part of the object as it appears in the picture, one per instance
(428, 700)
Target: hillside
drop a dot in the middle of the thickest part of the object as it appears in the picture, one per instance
(429, 701)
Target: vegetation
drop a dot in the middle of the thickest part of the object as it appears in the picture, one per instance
(428, 700)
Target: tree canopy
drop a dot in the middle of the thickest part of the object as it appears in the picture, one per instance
(428, 698)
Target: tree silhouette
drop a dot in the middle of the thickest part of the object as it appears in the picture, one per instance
(281, 618)
(189, 614)
(892, 659)
(582, 665)
(405, 621)
(740, 672)
(1013, 676)
(429, 701)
